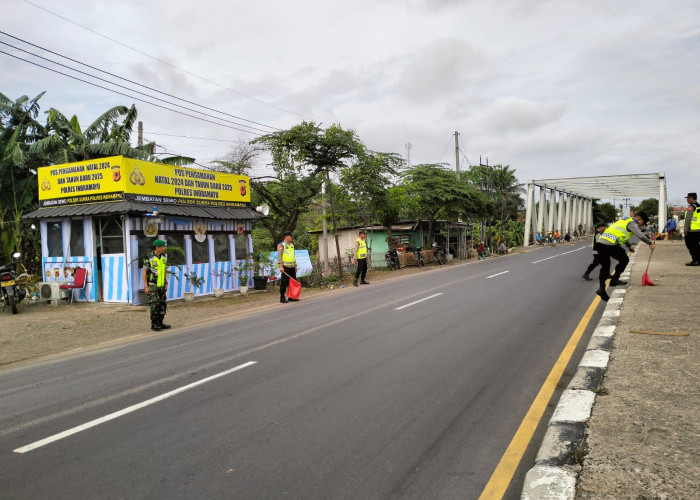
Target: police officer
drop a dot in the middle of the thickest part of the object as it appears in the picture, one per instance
(610, 245)
(288, 264)
(360, 258)
(691, 229)
(156, 284)
(596, 258)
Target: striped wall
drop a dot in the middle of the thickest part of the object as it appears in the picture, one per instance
(114, 278)
(51, 264)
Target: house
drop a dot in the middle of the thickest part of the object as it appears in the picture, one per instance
(104, 215)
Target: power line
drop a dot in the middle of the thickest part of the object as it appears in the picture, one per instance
(129, 96)
(189, 137)
(132, 82)
(162, 61)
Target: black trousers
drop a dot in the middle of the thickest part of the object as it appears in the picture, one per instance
(692, 242)
(605, 252)
(596, 262)
(361, 269)
(291, 271)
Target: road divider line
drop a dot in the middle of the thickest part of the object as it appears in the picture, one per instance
(494, 275)
(416, 302)
(503, 474)
(560, 254)
(117, 414)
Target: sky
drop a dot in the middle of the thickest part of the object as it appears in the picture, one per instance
(551, 88)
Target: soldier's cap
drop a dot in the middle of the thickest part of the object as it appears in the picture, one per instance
(159, 243)
(692, 195)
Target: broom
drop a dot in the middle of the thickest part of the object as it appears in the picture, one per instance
(646, 281)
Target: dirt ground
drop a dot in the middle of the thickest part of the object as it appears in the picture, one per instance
(644, 435)
(41, 329)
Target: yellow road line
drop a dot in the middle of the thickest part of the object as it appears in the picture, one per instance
(502, 476)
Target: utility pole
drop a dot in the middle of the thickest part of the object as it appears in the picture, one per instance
(457, 154)
(408, 154)
(324, 254)
(140, 134)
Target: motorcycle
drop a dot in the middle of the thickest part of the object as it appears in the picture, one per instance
(11, 292)
(392, 260)
(440, 253)
(418, 251)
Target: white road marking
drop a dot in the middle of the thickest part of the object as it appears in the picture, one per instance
(117, 414)
(559, 255)
(494, 275)
(416, 302)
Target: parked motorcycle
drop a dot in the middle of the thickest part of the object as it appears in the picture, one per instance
(11, 292)
(418, 251)
(440, 253)
(392, 260)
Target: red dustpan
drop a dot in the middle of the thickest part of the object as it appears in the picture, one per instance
(646, 281)
(294, 289)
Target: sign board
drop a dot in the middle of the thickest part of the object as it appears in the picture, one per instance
(119, 178)
(304, 266)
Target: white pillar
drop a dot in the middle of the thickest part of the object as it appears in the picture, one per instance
(662, 201)
(542, 211)
(528, 212)
(552, 211)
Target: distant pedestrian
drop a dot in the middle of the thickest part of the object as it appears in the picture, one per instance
(155, 283)
(670, 227)
(360, 258)
(567, 237)
(610, 245)
(481, 251)
(596, 258)
(691, 229)
(288, 264)
(539, 239)
(503, 248)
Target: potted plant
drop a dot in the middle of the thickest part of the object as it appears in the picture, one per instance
(219, 277)
(264, 268)
(195, 281)
(245, 270)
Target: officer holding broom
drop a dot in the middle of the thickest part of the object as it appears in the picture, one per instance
(156, 284)
(610, 245)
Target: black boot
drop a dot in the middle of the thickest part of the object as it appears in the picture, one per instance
(283, 300)
(586, 277)
(155, 326)
(355, 282)
(602, 294)
(615, 282)
(364, 282)
(163, 326)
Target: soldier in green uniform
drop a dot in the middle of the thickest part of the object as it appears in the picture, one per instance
(156, 284)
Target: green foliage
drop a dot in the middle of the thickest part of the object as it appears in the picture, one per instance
(603, 213)
(245, 270)
(650, 206)
(193, 279)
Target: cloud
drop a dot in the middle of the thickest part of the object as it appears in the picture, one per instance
(517, 114)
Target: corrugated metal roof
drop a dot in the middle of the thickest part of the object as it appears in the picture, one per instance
(136, 208)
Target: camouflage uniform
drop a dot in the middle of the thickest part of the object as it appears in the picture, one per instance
(156, 297)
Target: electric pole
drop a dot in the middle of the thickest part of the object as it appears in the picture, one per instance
(457, 154)
(140, 134)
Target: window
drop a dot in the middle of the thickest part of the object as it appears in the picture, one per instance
(222, 249)
(200, 251)
(54, 238)
(176, 249)
(241, 241)
(77, 237)
(112, 235)
(145, 246)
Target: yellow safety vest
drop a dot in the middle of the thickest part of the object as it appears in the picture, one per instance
(288, 257)
(361, 249)
(157, 268)
(618, 233)
(695, 221)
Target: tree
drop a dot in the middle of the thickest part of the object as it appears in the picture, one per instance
(650, 206)
(303, 158)
(604, 213)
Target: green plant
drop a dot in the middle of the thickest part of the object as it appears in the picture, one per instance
(245, 269)
(265, 266)
(193, 279)
(602, 391)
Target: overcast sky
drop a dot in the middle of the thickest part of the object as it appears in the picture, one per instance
(551, 88)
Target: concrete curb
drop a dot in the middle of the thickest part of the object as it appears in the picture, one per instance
(557, 464)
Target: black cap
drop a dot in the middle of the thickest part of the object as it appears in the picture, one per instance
(288, 233)
(692, 195)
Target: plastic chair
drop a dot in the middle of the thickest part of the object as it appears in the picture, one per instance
(79, 282)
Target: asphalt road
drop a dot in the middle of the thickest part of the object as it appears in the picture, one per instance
(409, 388)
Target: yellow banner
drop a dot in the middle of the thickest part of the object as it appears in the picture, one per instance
(117, 178)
